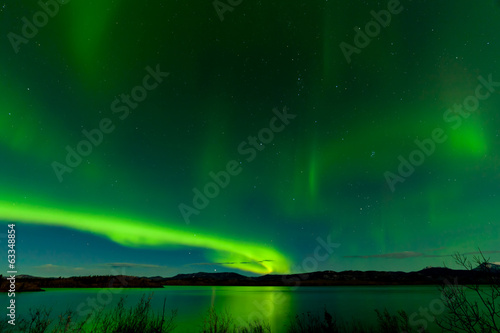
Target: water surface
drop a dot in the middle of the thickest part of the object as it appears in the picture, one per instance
(275, 305)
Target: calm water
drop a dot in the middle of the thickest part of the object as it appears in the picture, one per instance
(275, 305)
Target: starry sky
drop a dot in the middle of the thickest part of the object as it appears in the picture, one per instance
(168, 137)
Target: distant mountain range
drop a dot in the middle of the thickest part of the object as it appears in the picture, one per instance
(483, 274)
(493, 267)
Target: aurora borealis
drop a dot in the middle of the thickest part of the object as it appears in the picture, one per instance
(183, 99)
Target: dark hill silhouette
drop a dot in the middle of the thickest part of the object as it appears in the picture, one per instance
(428, 276)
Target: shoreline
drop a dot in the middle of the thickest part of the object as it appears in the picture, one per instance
(426, 277)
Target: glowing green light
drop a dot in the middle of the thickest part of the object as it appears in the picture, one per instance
(469, 139)
(133, 233)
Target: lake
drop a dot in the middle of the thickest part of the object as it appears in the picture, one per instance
(275, 305)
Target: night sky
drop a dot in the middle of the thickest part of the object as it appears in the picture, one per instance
(163, 137)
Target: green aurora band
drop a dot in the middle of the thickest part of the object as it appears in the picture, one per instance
(133, 233)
